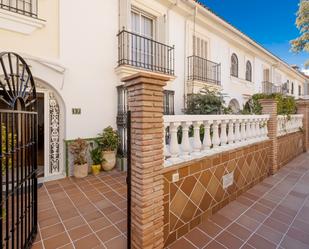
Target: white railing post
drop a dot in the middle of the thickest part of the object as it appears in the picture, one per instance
(174, 146)
(231, 132)
(248, 129)
(237, 131)
(215, 138)
(243, 130)
(207, 138)
(223, 136)
(197, 144)
(185, 142)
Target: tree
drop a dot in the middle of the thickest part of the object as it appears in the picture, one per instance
(302, 23)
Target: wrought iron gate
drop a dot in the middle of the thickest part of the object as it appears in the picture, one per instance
(18, 153)
(129, 180)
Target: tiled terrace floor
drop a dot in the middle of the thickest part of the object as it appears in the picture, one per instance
(273, 214)
(83, 213)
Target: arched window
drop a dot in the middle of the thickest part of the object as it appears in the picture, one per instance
(234, 65)
(299, 90)
(248, 71)
(292, 88)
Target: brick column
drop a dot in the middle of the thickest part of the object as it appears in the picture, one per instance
(145, 100)
(270, 107)
(303, 108)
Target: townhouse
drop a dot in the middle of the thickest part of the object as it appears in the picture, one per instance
(79, 52)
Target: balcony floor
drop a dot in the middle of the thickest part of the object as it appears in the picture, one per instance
(273, 214)
(83, 213)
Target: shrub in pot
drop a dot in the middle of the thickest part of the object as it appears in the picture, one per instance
(96, 156)
(79, 149)
(108, 141)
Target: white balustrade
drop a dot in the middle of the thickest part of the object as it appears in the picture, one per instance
(194, 136)
(289, 123)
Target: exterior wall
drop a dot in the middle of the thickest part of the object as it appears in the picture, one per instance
(199, 191)
(43, 42)
(289, 147)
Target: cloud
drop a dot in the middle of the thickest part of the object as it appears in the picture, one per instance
(305, 71)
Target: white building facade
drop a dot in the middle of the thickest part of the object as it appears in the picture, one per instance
(79, 51)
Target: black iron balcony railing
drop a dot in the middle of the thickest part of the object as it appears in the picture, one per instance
(142, 52)
(270, 88)
(23, 7)
(204, 70)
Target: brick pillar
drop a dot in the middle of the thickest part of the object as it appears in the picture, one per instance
(145, 100)
(270, 107)
(303, 108)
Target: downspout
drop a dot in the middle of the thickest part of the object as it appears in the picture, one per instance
(185, 55)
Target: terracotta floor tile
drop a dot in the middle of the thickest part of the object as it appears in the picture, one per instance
(282, 217)
(122, 225)
(52, 230)
(239, 231)
(289, 242)
(298, 235)
(79, 232)
(301, 225)
(270, 234)
(198, 238)
(220, 220)
(74, 222)
(214, 245)
(37, 245)
(229, 240)
(56, 241)
(247, 222)
(89, 242)
(119, 243)
(260, 243)
(100, 224)
(108, 233)
(210, 228)
(182, 244)
(276, 225)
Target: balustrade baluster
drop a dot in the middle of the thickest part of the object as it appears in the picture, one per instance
(215, 138)
(185, 142)
(237, 131)
(223, 135)
(243, 130)
(174, 147)
(197, 144)
(207, 139)
(231, 132)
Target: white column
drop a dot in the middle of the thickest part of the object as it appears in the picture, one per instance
(248, 129)
(223, 135)
(231, 132)
(174, 147)
(237, 131)
(207, 139)
(215, 138)
(243, 130)
(185, 142)
(197, 144)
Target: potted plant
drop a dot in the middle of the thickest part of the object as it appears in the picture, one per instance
(79, 149)
(108, 141)
(96, 156)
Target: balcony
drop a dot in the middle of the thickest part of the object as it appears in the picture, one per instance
(204, 70)
(144, 53)
(270, 88)
(23, 7)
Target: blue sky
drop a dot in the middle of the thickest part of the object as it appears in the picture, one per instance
(269, 22)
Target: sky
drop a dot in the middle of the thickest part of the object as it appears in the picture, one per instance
(269, 22)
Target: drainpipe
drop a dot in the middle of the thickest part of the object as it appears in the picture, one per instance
(185, 55)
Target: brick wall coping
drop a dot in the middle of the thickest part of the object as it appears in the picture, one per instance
(157, 79)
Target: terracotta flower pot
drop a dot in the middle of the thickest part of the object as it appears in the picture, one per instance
(109, 160)
(80, 171)
(96, 169)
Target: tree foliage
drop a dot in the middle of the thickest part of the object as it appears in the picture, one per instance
(302, 22)
(206, 102)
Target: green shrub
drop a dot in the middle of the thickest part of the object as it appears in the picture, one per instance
(286, 105)
(206, 102)
(96, 156)
(108, 140)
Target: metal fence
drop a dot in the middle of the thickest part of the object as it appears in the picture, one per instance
(23, 7)
(143, 52)
(204, 70)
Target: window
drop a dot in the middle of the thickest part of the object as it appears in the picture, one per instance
(199, 47)
(288, 86)
(248, 71)
(292, 88)
(266, 75)
(299, 90)
(168, 102)
(234, 65)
